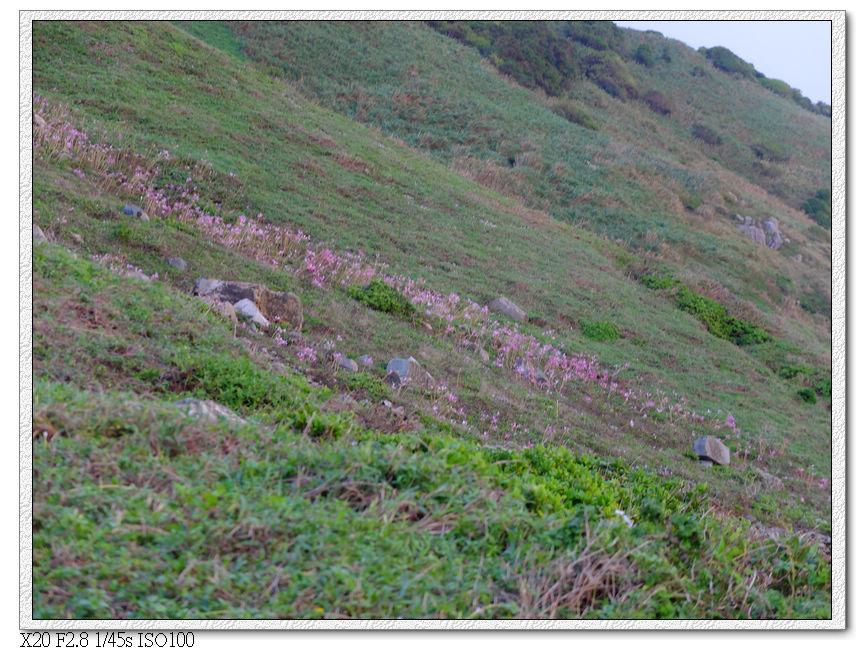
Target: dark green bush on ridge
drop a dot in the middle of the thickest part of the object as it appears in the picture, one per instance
(725, 60)
(643, 55)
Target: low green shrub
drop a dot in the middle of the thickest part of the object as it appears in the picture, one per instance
(600, 330)
(771, 151)
(691, 201)
(714, 316)
(819, 208)
(814, 302)
(807, 395)
(383, 297)
(659, 282)
(572, 112)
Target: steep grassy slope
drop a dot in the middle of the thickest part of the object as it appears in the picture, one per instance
(205, 141)
(630, 180)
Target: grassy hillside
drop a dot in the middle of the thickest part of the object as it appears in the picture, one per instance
(640, 178)
(246, 179)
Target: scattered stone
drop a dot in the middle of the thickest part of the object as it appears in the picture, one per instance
(344, 362)
(711, 448)
(227, 310)
(504, 306)
(706, 463)
(387, 403)
(208, 410)
(176, 263)
(135, 211)
(393, 379)
(78, 239)
(770, 481)
(38, 236)
(733, 197)
(774, 238)
(409, 371)
(755, 233)
(39, 121)
(136, 275)
(248, 309)
(768, 234)
(280, 306)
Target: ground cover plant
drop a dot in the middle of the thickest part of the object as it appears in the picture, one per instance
(547, 473)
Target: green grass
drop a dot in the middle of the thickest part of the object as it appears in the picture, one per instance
(142, 512)
(103, 342)
(606, 180)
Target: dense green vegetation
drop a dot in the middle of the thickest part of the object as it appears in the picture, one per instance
(495, 494)
(819, 208)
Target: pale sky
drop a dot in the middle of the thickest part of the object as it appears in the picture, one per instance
(797, 52)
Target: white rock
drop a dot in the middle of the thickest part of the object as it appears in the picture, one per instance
(247, 309)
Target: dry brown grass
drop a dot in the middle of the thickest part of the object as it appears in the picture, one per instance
(486, 172)
(570, 587)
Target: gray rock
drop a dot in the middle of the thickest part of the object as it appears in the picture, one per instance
(279, 306)
(393, 379)
(771, 225)
(39, 121)
(755, 233)
(205, 409)
(38, 236)
(409, 372)
(344, 362)
(364, 360)
(399, 366)
(504, 306)
(176, 263)
(248, 309)
(135, 211)
(711, 448)
(227, 309)
(78, 239)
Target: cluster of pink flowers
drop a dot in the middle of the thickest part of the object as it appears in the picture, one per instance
(289, 248)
